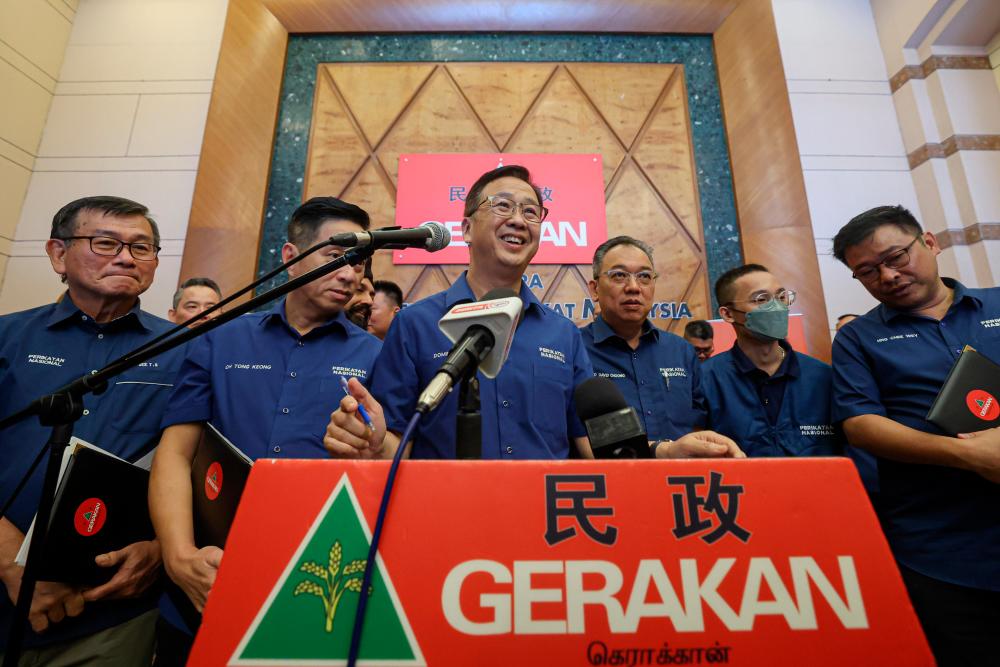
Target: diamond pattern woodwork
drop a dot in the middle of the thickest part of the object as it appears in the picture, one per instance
(635, 116)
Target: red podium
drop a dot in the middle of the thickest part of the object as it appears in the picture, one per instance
(749, 562)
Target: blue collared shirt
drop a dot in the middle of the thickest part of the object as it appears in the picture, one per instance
(661, 378)
(770, 388)
(267, 388)
(43, 349)
(527, 411)
(942, 522)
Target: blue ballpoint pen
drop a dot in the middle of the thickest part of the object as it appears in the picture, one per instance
(361, 408)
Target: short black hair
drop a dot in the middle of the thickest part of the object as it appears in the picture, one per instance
(699, 329)
(724, 285)
(310, 216)
(864, 225)
(195, 282)
(391, 290)
(606, 247)
(473, 198)
(65, 223)
(840, 317)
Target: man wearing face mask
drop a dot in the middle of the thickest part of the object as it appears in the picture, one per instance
(772, 400)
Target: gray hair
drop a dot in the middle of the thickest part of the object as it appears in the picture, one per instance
(605, 247)
(195, 282)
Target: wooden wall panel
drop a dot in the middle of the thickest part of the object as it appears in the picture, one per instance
(223, 233)
(767, 175)
(522, 107)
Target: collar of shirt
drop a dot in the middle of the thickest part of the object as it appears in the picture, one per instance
(460, 292)
(65, 310)
(277, 316)
(961, 295)
(603, 331)
(789, 365)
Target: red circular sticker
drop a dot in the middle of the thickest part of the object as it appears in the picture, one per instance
(90, 517)
(213, 481)
(983, 404)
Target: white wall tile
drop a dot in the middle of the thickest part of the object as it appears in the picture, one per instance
(36, 31)
(167, 194)
(88, 125)
(981, 170)
(29, 282)
(837, 196)
(820, 39)
(972, 98)
(992, 251)
(896, 163)
(859, 125)
(169, 125)
(22, 112)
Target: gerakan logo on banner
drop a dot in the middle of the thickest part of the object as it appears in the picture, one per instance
(433, 187)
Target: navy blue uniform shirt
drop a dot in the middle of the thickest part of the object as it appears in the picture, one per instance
(267, 388)
(527, 411)
(801, 426)
(43, 349)
(661, 378)
(942, 522)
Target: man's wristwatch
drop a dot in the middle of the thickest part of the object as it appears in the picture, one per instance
(657, 444)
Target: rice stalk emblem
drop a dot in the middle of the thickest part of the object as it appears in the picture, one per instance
(335, 581)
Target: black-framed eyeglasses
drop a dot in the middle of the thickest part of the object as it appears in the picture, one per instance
(505, 208)
(896, 260)
(107, 246)
(644, 278)
(785, 297)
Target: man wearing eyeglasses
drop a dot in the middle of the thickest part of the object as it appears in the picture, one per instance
(940, 494)
(105, 251)
(657, 372)
(775, 400)
(528, 410)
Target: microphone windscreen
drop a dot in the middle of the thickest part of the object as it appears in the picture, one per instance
(440, 236)
(597, 396)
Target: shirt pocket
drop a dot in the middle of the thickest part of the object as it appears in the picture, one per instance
(550, 383)
(136, 401)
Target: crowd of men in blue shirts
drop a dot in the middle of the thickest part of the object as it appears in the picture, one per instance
(269, 381)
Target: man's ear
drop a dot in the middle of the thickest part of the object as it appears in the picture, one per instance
(592, 285)
(56, 250)
(466, 228)
(726, 314)
(931, 242)
(288, 253)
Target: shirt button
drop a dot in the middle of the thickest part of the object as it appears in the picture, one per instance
(765, 401)
(642, 382)
(506, 404)
(293, 374)
(84, 318)
(510, 450)
(284, 411)
(301, 343)
(649, 412)
(100, 336)
(86, 412)
(277, 449)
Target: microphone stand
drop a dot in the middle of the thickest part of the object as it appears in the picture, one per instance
(61, 409)
(469, 421)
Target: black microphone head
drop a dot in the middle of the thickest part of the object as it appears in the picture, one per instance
(499, 293)
(597, 396)
(440, 236)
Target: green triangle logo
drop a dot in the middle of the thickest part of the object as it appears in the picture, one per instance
(980, 402)
(308, 617)
(88, 515)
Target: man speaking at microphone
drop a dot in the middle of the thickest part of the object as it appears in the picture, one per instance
(528, 410)
(267, 381)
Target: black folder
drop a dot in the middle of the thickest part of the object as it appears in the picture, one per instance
(100, 506)
(218, 474)
(968, 400)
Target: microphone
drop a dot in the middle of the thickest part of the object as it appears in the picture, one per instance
(614, 428)
(431, 236)
(482, 333)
